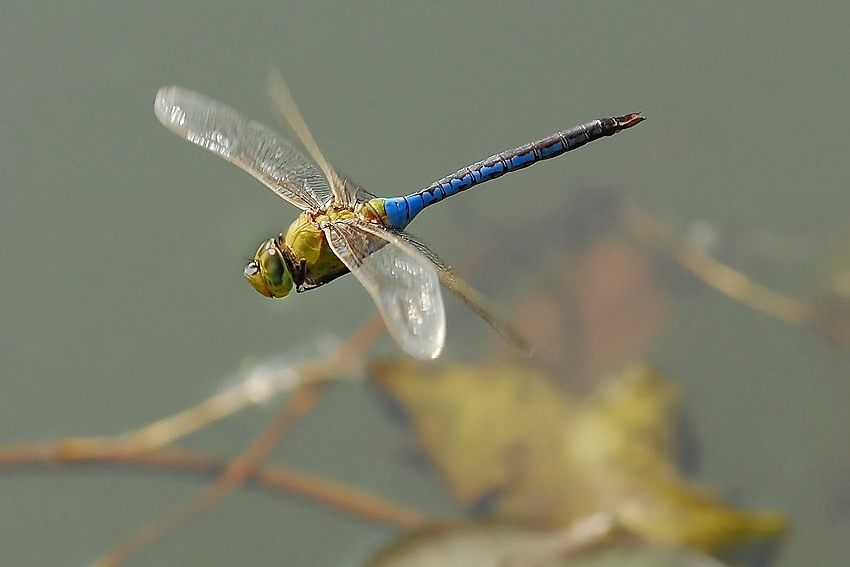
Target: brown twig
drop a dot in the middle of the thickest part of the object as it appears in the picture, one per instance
(719, 276)
(109, 452)
(314, 375)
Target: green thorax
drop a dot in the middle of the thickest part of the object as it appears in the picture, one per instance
(307, 241)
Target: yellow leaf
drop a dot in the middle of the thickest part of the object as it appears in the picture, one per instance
(553, 459)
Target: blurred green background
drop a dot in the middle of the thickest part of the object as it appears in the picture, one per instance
(122, 246)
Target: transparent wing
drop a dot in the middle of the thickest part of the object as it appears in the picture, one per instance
(402, 281)
(248, 144)
(466, 293)
(282, 98)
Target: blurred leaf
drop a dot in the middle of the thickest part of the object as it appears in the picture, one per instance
(641, 556)
(458, 544)
(552, 459)
(489, 544)
(456, 413)
(597, 311)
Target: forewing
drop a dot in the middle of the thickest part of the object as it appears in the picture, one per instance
(285, 103)
(248, 144)
(402, 281)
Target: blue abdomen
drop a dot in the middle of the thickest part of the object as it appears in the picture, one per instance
(401, 210)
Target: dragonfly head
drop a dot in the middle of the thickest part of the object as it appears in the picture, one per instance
(269, 272)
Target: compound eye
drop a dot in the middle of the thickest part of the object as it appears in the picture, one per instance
(267, 271)
(274, 267)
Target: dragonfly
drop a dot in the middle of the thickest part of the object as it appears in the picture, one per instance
(342, 227)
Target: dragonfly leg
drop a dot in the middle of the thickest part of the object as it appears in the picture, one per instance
(297, 268)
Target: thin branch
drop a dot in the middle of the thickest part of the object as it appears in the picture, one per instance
(313, 376)
(108, 452)
(716, 274)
